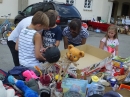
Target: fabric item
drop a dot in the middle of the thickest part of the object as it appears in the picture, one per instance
(25, 89)
(17, 72)
(77, 40)
(33, 84)
(22, 24)
(110, 42)
(11, 45)
(51, 36)
(29, 74)
(3, 76)
(11, 80)
(111, 94)
(26, 48)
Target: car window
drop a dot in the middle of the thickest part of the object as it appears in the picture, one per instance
(37, 8)
(67, 10)
(27, 11)
(48, 6)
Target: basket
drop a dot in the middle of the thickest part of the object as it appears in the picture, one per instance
(128, 33)
(121, 78)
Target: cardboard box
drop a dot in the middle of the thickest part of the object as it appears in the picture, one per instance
(94, 58)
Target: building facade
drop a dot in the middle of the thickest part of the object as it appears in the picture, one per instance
(88, 8)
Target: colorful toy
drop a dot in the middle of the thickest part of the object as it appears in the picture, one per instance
(123, 86)
(38, 69)
(74, 54)
(94, 78)
(29, 74)
(117, 64)
(120, 59)
(113, 83)
(119, 71)
(24, 88)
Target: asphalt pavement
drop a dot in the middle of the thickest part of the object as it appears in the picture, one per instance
(6, 61)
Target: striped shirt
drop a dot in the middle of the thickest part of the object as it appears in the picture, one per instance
(26, 48)
(77, 40)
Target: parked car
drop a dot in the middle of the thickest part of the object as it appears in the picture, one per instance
(66, 12)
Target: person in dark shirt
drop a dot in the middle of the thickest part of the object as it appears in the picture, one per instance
(53, 35)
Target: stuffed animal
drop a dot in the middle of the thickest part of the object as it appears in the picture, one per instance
(29, 74)
(28, 92)
(74, 54)
(6, 93)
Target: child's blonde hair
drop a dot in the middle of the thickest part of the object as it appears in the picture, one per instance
(40, 18)
(114, 28)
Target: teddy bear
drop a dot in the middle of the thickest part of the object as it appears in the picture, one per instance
(6, 93)
(72, 56)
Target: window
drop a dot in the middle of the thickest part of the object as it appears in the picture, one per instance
(37, 8)
(48, 6)
(67, 11)
(88, 5)
(70, 2)
(27, 11)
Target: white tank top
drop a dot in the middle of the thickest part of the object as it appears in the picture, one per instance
(26, 48)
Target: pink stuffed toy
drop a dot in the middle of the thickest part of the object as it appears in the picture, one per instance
(29, 74)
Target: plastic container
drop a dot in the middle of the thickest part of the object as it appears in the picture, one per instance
(95, 89)
(74, 87)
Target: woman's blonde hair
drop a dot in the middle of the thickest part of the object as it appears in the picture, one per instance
(40, 18)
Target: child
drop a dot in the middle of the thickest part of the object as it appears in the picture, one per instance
(11, 41)
(53, 35)
(110, 42)
(29, 42)
(75, 34)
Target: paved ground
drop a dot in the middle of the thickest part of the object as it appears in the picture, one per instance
(6, 62)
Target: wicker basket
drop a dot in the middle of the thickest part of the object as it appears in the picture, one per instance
(122, 31)
(121, 78)
(128, 33)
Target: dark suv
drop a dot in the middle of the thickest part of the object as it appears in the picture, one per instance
(66, 12)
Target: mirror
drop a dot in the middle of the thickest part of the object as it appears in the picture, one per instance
(19, 12)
